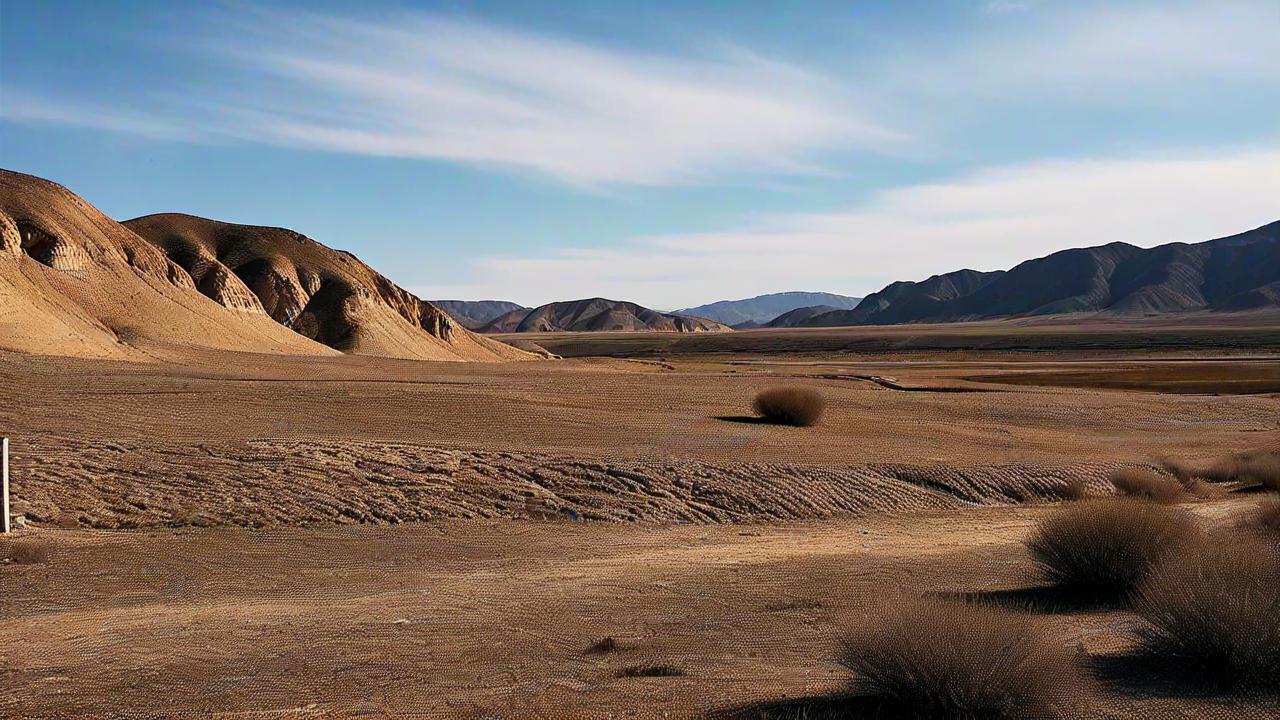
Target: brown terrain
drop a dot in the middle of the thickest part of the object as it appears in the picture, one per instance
(226, 516)
(74, 282)
(354, 536)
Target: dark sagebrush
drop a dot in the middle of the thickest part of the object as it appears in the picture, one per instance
(1254, 467)
(1146, 484)
(1107, 545)
(930, 658)
(1212, 613)
(789, 406)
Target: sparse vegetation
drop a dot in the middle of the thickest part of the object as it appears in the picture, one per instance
(650, 670)
(1136, 482)
(935, 659)
(1072, 490)
(602, 646)
(797, 406)
(1107, 545)
(26, 551)
(1254, 467)
(1211, 613)
(1265, 518)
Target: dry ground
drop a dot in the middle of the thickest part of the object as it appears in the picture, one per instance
(744, 545)
(480, 619)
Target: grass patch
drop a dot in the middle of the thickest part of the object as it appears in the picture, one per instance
(797, 406)
(1254, 467)
(1106, 546)
(1212, 614)
(1139, 483)
(928, 658)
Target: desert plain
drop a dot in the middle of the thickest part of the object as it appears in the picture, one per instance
(610, 534)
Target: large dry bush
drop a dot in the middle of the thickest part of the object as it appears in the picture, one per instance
(929, 658)
(1140, 483)
(1212, 612)
(1261, 467)
(789, 406)
(1107, 545)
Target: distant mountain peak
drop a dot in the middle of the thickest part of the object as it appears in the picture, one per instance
(763, 308)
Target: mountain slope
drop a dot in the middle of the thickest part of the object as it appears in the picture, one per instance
(793, 318)
(763, 308)
(598, 315)
(474, 314)
(75, 282)
(1240, 272)
(320, 293)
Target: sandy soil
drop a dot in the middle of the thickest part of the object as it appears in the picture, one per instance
(486, 619)
(413, 538)
(270, 440)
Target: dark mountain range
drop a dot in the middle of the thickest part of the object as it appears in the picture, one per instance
(763, 308)
(597, 314)
(1240, 272)
(793, 318)
(474, 314)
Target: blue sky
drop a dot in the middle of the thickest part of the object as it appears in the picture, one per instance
(670, 153)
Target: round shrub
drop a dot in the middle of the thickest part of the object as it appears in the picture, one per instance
(923, 658)
(1145, 484)
(797, 406)
(1212, 611)
(1107, 545)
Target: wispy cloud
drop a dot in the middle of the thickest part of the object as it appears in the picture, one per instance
(422, 86)
(986, 220)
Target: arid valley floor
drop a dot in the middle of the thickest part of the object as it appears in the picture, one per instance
(274, 536)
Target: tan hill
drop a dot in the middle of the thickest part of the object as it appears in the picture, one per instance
(321, 293)
(75, 282)
(598, 315)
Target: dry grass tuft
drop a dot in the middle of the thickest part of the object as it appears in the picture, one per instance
(1254, 467)
(1106, 546)
(26, 551)
(602, 646)
(650, 670)
(1211, 613)
(1146, 484)
(797, 406)
(928, 658)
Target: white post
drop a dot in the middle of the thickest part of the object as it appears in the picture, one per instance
(4, 461)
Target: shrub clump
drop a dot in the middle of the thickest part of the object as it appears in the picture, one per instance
(1211, 612)
(1254, 467)
(1106, 546)
(789, 406)
(1148, 485)
(602, 646)
(936, 659)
